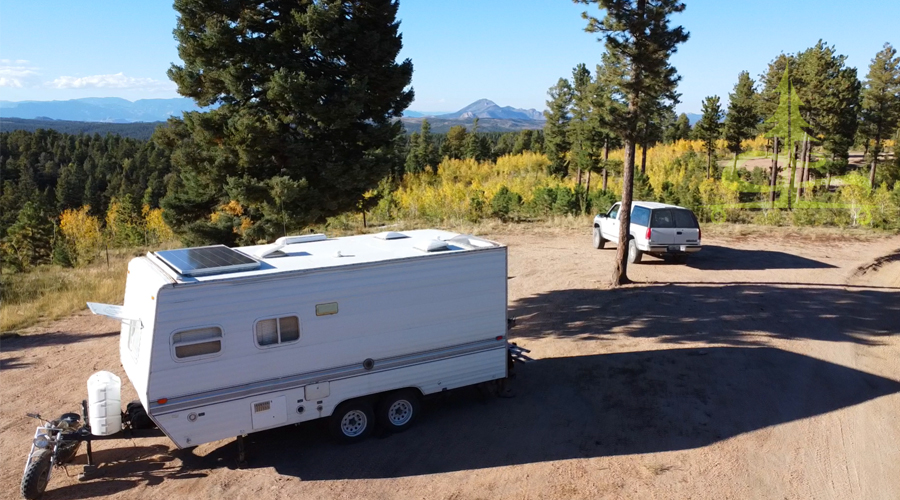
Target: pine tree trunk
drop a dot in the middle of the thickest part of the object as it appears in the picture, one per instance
(620, 276)
(734, 168)
(708, 162)
(605, 159)
(877, 150)
(803, 170)
(644, 158)
(587, 189)
(774, 178)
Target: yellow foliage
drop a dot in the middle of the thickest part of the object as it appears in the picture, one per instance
(82, 234)
(232, 208)
(462, 188)
(157, 229)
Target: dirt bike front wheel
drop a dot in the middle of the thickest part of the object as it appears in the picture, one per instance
(37, 474)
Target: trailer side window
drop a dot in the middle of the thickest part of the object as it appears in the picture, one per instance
(197, 342)
(275, 331)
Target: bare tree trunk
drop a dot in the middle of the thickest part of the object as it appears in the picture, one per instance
(588, 188)
(774, 178)
(620, 276)
(579, 176)
(708, 162)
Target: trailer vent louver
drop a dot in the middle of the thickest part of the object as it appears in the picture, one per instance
(258, 407)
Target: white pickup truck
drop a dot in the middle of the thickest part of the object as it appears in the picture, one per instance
(656, 228)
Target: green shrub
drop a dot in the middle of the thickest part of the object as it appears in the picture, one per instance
(505, 202)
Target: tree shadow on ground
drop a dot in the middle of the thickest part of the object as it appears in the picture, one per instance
(716, 258)
(715, 314)
(13, 363)
(19, 342)
(580, 407)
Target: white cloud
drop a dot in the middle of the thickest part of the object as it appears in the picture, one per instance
(116, 81)
(16, 73)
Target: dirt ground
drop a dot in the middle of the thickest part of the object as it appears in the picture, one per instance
(764, 368)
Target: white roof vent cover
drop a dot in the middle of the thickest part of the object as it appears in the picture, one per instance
(390, 235)
(431, 245)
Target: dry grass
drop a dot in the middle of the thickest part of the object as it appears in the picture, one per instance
(740, 232)
(51, 292)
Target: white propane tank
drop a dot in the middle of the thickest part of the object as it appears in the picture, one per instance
(104, 403)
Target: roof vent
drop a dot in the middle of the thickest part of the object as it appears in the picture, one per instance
(274, 250)
(431, 246)
(304, 238)
(390, 235)
(470, 242)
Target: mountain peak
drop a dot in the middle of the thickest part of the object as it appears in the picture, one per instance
(486, 108)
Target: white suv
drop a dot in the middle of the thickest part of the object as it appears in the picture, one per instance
(656, 228)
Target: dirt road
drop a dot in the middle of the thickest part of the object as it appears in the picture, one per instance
(761, 369)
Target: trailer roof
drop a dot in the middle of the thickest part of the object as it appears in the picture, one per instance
(311, 252)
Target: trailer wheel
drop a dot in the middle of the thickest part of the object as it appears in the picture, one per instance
(37, 474)
(137, 416)
(352, 421)
(397, 411)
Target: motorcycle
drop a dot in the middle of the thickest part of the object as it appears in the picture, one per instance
(50, 449)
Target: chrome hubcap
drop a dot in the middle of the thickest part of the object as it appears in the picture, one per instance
(400, 412)
(354, 423)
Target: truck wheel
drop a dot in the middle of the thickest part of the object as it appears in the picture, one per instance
(599, 242)
(37, 474)
(634, 255)
(397, 411)
(352, 421)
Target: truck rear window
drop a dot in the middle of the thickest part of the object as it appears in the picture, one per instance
(673, 217)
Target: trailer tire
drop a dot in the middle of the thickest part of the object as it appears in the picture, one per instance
(37, 474)
(398, 410)
(137, 416)
(352, 421)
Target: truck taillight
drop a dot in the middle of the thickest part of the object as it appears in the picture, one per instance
(648, 233)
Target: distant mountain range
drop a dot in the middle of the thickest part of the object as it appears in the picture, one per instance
(99, 109)
(112, 110)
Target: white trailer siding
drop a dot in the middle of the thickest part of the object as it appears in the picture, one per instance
(435, 321)
(136, 340)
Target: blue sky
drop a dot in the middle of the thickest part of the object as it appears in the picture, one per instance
(509, 51)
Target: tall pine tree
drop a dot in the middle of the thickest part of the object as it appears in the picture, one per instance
(742, 119)
(709, 129)
(881, 102)
(556, 128)
(306, 97)
(638, 37)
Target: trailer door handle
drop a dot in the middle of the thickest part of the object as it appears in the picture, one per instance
(677, 232)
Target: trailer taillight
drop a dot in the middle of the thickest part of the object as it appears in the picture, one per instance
(499, 337)
(648, 233)
(162, 401)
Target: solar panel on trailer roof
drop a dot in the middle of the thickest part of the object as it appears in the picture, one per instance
(207, 260)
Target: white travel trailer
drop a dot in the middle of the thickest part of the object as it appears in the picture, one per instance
(222, 342)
